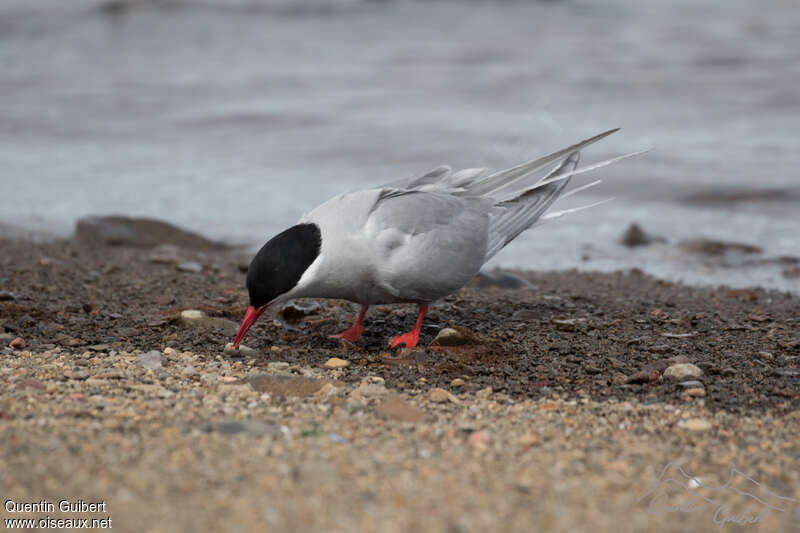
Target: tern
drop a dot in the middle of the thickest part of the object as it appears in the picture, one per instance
(412, 241)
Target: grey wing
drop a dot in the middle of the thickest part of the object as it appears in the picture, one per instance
(501, 185)
(429, 244)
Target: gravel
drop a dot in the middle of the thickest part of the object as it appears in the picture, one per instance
(533, 427)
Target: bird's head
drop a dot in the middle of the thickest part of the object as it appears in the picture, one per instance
(277, 268)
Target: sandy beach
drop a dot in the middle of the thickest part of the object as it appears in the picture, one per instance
(563, 399)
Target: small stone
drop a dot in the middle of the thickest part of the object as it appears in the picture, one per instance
(691, 384)
(29, 383)
(192, 316)
(277, 366)
(370, 389)
(293, 312)
(151, 360)
(335, 362)
(108, 375)
(189, 266)
(529, 440)
(327, 390)
(695, 424)
(454, 336)
(254, 427)
(18, 343)
(484, 394)
(458, 382)
(170, 351)
(165, 254)
(636, 236)
(195, 318)
(6, 296)
(439, 395)
(792, 272)
(480, 439)
(241, 351)
(99, 347)
(728, 372)
(189, 371)
(683, 371)
(643, 376)
(696, 392)
(743, 294)
(283, 385)
(568, 324)
(396, 409)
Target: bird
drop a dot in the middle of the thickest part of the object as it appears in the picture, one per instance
(411, 241)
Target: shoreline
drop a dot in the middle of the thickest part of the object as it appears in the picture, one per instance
(579, 390)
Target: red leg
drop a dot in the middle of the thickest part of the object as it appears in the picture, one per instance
(356, 330)
(411, 338)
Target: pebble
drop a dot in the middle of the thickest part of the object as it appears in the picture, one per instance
(480, 439)
(568, 324)
(484, 394)
(283, 385)
(636, 236)
(696, 392)
(439, 395)
(370, 389)
(192, 316)
(294, 311)
(335, 362)
(327, 390)
(277, 366)
(397, 409)
(189, 266)
(170, 351)
(683, 371)
(454, 337)
(458, 382)
(18, 343)
(695, 424)
(692, 384)
(241, 351)
(643, 376)
(150, 360)
(255, 427)
(6, 296)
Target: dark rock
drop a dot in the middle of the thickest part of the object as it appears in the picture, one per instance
(636, 236)
(293, 312)
(643, 376)
(253, 427)
(711, 247)
(791, 272)
(18, 343)
(140, 232)
(6, 296)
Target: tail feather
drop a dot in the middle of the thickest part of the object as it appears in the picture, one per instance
(511, 217)
(504, 178)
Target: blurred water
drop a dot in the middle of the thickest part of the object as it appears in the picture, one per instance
(233, 117)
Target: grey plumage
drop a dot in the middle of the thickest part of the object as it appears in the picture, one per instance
(419, 239)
